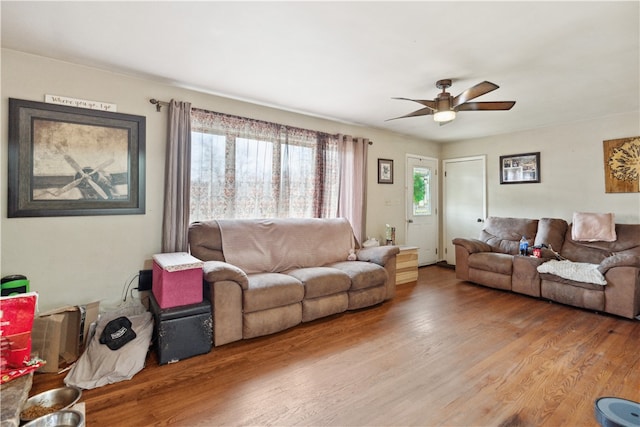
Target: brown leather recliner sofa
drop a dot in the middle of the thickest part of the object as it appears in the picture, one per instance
(267, 275)
(492, 260)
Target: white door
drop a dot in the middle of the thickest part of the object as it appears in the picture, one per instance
(464, 201)
(422, 207)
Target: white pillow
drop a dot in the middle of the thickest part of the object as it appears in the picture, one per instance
(593, 227)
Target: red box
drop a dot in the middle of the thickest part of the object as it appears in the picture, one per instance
(177, 279)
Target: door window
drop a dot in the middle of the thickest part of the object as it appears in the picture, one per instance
(421, 191)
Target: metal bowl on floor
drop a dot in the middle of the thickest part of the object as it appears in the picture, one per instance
(66, 418)
(49, 401)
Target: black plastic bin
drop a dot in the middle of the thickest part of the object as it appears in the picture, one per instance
(181, 332)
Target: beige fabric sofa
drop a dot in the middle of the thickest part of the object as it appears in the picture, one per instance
(492, 260)
(267, 275)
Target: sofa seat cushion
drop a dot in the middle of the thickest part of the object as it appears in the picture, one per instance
(572, 295)
(269, 290)
(584, 285)
(272, 320)
(492, 261)
(315, 308)
(361, 298)
(362, 274)
(321, 281)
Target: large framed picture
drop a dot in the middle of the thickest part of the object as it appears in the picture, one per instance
(520, 168)
(385, 171)
(73, 161)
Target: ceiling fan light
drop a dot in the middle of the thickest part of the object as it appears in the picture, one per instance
(444, 115)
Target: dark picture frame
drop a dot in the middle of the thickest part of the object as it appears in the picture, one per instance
(385, 171)
(520, 168)
(70, 161)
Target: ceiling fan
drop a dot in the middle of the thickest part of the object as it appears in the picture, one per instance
(445, 106)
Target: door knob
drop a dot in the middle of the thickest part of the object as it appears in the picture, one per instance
(410, 221)
(480, 220)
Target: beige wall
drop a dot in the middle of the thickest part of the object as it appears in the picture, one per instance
(572, 170)
(74, 260)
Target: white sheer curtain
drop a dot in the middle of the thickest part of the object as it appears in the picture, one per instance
(353, 182)
(175, 221)
(246, 168)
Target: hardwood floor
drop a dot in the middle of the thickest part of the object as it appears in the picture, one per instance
(442, 353)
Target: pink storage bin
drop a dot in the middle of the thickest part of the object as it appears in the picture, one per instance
(177, 279)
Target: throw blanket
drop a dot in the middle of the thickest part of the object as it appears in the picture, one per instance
(277, 244)
(577, 271)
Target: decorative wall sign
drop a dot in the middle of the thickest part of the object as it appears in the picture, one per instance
(74, 161)
(622, 165)
(80, 103)
(385, 171)
(520, 168)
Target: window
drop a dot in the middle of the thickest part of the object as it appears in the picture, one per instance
(244, 168)
(421, 191)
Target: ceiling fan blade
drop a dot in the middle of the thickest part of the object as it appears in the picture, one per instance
(426, 102)
(486, 106)
(474, 92)
(421, 112)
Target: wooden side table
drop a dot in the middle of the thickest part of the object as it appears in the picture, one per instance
(407, 265)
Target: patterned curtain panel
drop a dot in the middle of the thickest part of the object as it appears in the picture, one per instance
(245, 168)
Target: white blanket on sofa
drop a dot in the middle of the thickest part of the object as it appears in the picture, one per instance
(577, 271)
(278, 244)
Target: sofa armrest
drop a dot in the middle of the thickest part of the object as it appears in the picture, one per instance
(472, 245)
(622, 292)
(218, 271)
(619, 260)
(378, 254)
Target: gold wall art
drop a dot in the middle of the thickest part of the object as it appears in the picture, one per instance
(622, 165)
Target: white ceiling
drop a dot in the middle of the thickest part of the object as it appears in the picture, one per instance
(561, 61)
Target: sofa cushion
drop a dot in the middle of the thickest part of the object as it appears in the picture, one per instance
(504, 234)
(557, 279)
(492, 261)
(628, 239)
(361, 298)
(315, 308)
(265, 322)
(279, 244)
(572, 295)
(551, 232)
(269, 290)
(362, 274)
(593, 227)
(321, 281)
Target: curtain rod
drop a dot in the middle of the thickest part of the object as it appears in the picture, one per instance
(159, 104)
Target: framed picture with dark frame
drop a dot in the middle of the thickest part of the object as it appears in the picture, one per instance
(385, 171)
(66, 161)
(520, 168)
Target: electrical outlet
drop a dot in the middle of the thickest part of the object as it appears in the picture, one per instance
(144, 280)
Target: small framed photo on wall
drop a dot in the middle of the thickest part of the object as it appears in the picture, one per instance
(385, 171)
(520, 168)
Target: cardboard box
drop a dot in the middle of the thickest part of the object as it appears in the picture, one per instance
(61, 335)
